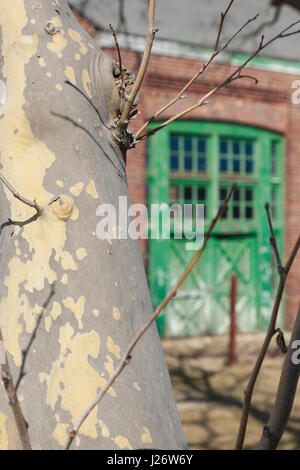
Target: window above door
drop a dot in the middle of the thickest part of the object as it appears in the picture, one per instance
(195, 162)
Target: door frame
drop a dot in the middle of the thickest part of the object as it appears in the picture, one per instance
(158, 181)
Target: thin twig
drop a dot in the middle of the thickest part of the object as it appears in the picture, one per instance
(232, 77)
(143, 67)
(25, 351)
(264, 24)
(32, 204)
(283, 271)
(127, 356)
(119, 53)
(13, 399)
(223, 15)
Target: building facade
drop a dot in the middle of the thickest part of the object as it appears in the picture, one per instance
(248, 134)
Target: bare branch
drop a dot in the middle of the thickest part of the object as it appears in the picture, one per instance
(280, 414)
(119, 54)
(25, 351)
(273, 242)
(283, 271)
(32, 204)
(264, 24)
(127, 356)
(12, 397)
(232, 77)
(283, 35)
(254, 18)
(143, 67)
(200, 71)
(223, 15)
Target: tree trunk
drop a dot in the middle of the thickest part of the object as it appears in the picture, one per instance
(63, 345)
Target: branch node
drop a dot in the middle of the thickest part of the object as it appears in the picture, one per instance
(268, 434)
(119, 54)
(281, 270)
(51, 29)
(39, 209)
(128, 359)
(280, 341)
(261, 41)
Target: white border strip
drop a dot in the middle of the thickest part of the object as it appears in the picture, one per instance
(175, 49)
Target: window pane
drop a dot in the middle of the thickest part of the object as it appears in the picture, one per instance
(187, 153)
(187, 144)
(249, 194)
(201, 194)
(273, 202)
(201, 146)
(249, 212)
(223, 146)
(274, 147)
(223, 193)
(273, 165)
(249, 166)
(201, 164)
(188, 163)
(236, 212)
(174, 163)
(236, 156)
(241, 206)
(273, 195)
(274, 158)
(174, 143)
(223, 165)
(236, 166)
(188, 193)
(249, 148)
(236, 148)
(236, 195)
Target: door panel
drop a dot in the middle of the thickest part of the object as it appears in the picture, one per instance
(202, 303)
(237, 255)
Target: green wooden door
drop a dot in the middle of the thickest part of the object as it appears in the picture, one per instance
(197, 162)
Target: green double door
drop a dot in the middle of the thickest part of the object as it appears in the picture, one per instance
(197, 162)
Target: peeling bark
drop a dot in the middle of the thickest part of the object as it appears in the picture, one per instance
(57, 147)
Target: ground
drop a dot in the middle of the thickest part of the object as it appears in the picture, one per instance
(209, 392)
